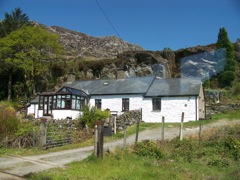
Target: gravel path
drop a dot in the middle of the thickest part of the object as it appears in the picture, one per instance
(18, 165)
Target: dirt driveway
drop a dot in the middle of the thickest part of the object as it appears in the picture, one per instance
(20, 166)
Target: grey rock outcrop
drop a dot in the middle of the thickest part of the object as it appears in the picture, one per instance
(80, 45)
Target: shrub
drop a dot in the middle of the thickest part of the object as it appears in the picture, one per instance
(184, 149)
(236, 88)
(92, 115)
(8, 120)
(218, 162)
(148, 148)
(233, 147)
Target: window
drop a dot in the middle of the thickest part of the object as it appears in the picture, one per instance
(54, 102)
(125, 104)
(98, 103)
(62, 101)
(68, 102)
(156, 102)
(41, 102)
(73, 102)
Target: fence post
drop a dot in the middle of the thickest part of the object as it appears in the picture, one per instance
(43, 134)
(200, 132)
(125, 137)
(163, 121)
(95, 139)
(115, 125)
(181, 127)
(137, 130)
(100, 139)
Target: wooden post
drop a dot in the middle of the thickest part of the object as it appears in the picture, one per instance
(100, 139)
(181, 127)
(163, 121)
(43, 134)
(200, 132)
(115, 125)
(124, 138)
(137, 130)
(95, 139)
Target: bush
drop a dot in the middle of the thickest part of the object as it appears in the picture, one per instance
(226, 78)
(148, 148)
(92, 115)
(185, 149)
(8, 120)
(233, 147)
(236, 88)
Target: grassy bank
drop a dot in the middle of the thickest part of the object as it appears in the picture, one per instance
(216, 157)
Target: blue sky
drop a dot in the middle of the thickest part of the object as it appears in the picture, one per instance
(152, 24)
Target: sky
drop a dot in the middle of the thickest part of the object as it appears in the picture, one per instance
(152, 24)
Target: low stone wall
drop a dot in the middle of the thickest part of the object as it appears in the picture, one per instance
(212, 109)
(128, 119)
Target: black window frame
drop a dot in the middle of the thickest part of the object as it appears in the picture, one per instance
(156, 104)
(125, 104)
(98, 103)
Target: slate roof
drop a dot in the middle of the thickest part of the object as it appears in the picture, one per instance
(35, 100)
(174, 87)
(148, 86)
(136, 85)
(77, 92)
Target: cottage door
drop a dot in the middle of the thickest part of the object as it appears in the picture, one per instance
(47, 107)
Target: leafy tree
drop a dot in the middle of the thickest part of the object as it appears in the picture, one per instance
(237, 49)
(30, 48)
(227, 76)
(13, 22)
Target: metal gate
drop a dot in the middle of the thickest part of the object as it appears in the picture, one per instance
(58, 133)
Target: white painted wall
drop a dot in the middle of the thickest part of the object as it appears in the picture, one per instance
(171, 109)
(114, 102)
(33, 109)
(62, 114)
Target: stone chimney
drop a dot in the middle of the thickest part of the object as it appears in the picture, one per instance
(71, 76)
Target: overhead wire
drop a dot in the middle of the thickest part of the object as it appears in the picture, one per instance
(114, 29)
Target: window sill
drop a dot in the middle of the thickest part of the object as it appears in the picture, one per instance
(156, 110)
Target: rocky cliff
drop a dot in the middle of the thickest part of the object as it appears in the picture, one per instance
(192, 62)
(132, 60)
(80, 45)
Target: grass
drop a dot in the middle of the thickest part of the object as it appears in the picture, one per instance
(212, 159)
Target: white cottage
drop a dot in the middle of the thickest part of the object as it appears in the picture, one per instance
(156, 97)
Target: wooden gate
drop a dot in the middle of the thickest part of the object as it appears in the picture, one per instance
(58, 133)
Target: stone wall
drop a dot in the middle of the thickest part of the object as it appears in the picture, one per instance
(212, 109)
(128, 119)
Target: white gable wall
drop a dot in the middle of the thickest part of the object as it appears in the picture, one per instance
(171, 109)
(33, 109)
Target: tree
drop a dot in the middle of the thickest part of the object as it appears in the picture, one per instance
(227, 76)
(13, 22)
(30, 48)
